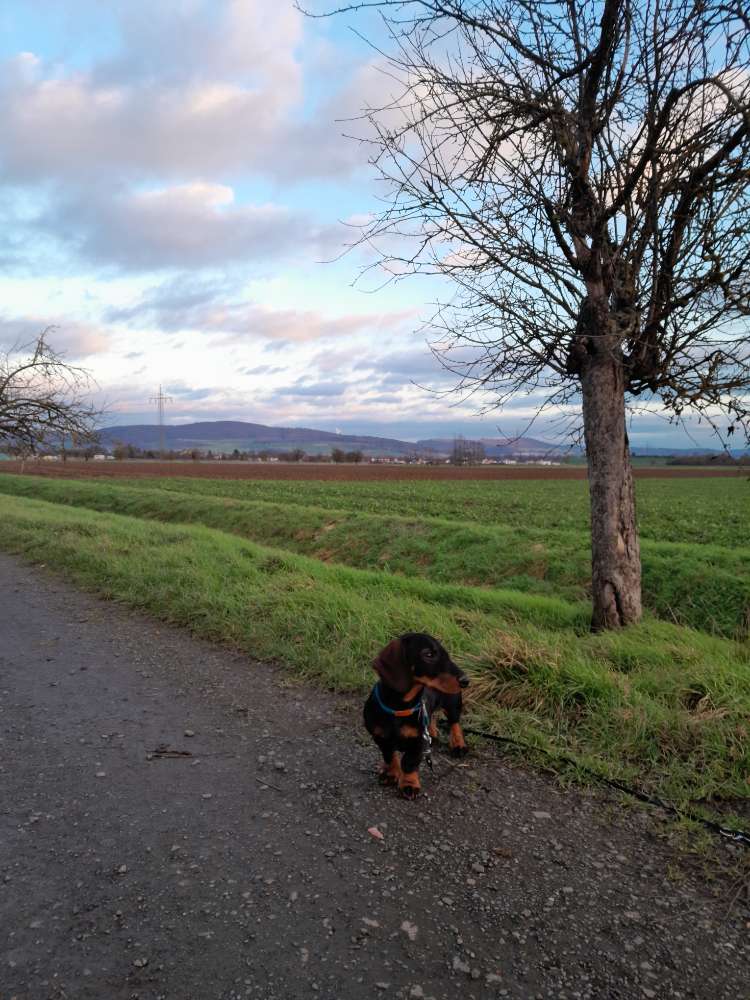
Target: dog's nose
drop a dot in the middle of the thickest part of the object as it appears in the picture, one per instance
(463, 681)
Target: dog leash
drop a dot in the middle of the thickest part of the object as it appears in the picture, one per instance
(426, 738)
(740, 837)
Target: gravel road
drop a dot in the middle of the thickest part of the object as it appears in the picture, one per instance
(244, 867)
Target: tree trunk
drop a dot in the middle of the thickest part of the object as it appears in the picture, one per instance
(615, 549)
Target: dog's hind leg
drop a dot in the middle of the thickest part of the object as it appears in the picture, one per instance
(390, 769)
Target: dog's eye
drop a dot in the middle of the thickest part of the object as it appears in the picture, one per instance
(428, 654)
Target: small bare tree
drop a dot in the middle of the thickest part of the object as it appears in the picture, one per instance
(43, 400)
(467, 452)
(580, 169)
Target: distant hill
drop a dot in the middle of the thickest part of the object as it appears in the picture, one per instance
(685, 452)
(505, 447)
(226, 435)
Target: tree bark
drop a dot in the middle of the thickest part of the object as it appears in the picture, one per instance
(615, 549)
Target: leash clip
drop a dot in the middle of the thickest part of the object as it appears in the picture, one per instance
(426, 738)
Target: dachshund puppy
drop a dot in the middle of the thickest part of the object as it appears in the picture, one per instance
(417, 676)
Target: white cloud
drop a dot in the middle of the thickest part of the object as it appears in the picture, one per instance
(76, 340)
(198, 90)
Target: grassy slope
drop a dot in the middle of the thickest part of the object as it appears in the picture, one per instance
(665, 704)
(703, 511)
(704, 587)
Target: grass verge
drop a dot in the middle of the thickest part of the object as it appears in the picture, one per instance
(661, 705)
(706, 587)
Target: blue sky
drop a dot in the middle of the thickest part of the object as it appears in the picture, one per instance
(173, 177)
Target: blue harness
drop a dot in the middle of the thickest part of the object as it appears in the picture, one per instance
(419, 707)
(423, 717)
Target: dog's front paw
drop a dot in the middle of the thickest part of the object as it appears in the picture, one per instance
(388, 779)
(409, 785)
(456, 741)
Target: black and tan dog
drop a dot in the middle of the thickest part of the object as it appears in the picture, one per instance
(417, 678)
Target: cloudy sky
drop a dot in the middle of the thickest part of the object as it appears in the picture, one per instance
(176, 191)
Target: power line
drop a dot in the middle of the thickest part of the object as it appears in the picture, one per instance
(161, 400)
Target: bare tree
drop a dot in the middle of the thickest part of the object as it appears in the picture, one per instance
(580, 169)
(43, 400)
(467, 452)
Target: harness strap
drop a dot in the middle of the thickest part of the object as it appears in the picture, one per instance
(400, 713)
(403, 713)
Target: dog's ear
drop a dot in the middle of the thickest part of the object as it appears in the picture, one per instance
(391, 664)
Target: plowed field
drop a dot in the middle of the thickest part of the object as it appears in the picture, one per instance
(339, 473)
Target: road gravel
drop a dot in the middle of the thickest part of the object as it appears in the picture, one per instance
(180, 822)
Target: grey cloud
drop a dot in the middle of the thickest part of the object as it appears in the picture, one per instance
(183, 392)
(187, 226)
(171, 304)
(261, 370)
(385, 398)
(313, 390)
(186, 304)
(401, 367)
(217, 37)
(176, 297)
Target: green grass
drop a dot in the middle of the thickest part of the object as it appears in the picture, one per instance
(309, 531)
(659, 704)
(704, 587)
(713, 511)
(320, 575)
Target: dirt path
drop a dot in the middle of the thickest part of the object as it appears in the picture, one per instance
(246, 869)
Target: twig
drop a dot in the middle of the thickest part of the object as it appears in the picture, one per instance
(262, 781)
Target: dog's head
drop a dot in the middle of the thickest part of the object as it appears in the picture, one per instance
(416, 658)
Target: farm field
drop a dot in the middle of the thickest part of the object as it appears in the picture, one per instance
(320, 574)
(342, 472)
(527, 537)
